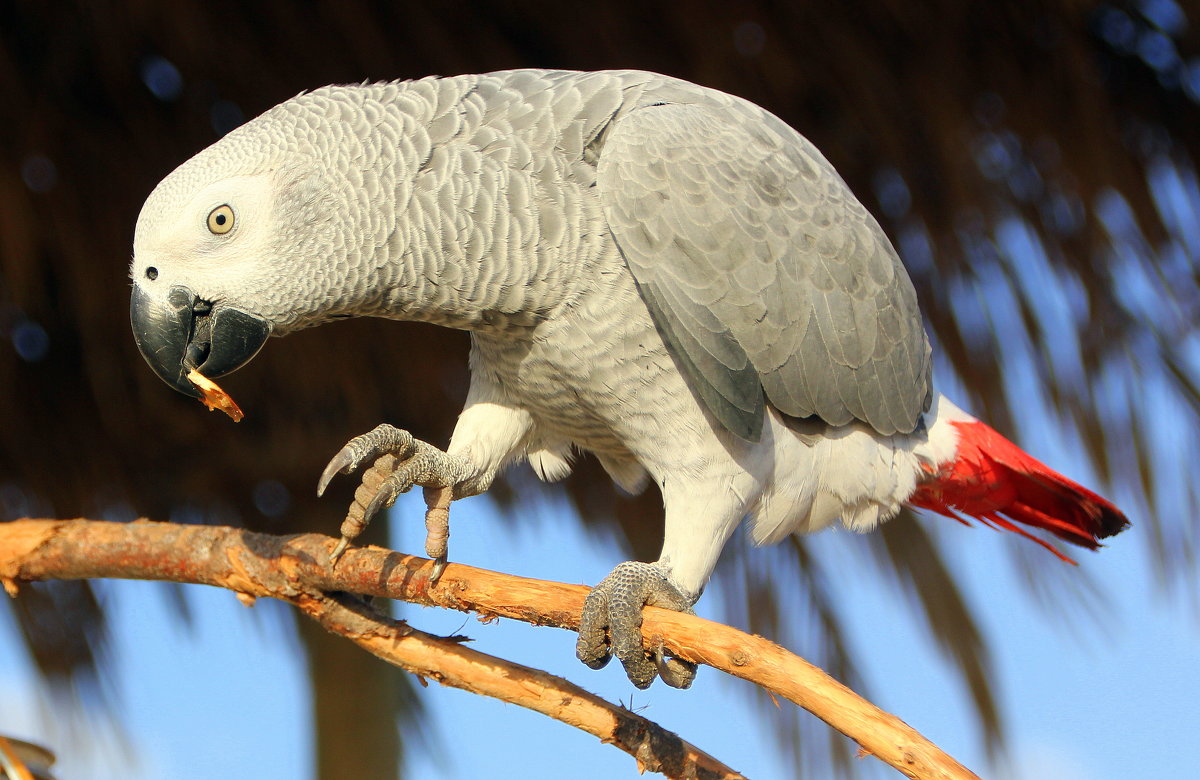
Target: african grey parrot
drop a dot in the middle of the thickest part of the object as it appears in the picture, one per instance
(661, 274)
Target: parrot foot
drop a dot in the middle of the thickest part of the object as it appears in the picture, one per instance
(612, 624)
(400, 462)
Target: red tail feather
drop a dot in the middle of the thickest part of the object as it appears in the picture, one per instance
(993, 480)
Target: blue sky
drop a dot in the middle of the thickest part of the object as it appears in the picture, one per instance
(224, 697)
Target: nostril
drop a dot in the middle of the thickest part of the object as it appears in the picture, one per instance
(201, 307)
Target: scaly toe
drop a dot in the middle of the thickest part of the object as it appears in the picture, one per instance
(593, 648)
(611, 624)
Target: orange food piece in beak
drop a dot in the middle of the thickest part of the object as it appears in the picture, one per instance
(213, 396)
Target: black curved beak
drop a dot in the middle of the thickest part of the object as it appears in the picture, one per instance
(185, 332)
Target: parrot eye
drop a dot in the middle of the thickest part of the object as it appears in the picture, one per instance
(220, 220)
(152, 273)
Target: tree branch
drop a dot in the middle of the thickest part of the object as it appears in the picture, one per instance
(255, 565)
(296, 569)
(446, 660)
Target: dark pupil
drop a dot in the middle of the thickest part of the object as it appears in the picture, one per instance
(219, 219)
(152, 273)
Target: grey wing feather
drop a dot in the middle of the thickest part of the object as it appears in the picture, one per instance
(761, 269)
(729, 386)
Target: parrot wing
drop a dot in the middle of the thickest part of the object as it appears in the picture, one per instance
(762, 270)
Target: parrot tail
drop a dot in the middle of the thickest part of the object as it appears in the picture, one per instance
(996, 482)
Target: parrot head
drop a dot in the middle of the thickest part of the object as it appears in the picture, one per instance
(241, 242)
(185, 309)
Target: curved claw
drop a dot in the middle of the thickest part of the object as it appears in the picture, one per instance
(439, 566)
(392, 487)
(383, 439)
(342, 463)
(336, 553)
(675, 672)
